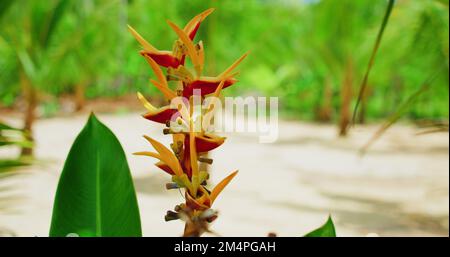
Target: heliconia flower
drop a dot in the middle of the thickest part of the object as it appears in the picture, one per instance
(175, 57)
(207, 199)
(193, 25)
(192, 51)
(190, 141)
(160, 115)
(163, 58)
(164, 155)
(207, 85)
(222, 184)
(199, 204)
(208, 142)
(162, 165)
(161, 83)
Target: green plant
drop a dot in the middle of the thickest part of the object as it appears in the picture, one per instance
(363, 87)
(428, 16)
(29, 39)
(11, 136)
(326, 230)
(95, 195)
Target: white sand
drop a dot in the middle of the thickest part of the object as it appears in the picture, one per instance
(400, 188)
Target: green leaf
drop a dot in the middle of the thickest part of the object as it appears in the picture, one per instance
(13, 136)
(4, 126)
(327, 230)
(9, 164)
(95, 195)
(54, 17)
(363, 87)
(27, 63)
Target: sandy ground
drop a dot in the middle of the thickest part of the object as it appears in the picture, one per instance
(400, 188)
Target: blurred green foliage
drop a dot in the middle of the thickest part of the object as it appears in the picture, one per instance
(11, 136)
(300, 49)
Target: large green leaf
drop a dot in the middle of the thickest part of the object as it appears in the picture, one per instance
(95, 195)
(327, 230)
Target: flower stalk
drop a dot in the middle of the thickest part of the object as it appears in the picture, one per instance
(183, 121)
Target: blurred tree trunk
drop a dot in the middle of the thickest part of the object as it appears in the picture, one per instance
(30, 96)
(346, 98)
(80, 99)
(325, 108)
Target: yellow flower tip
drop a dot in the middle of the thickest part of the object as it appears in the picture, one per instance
(219, 89)
(168, 93)
(189, 45)
(157, 145)
(157, 70)
(165, 155)
(216, 95)
(197, 19)
(148, 154)
(130, 29)
(146, 103)
(171, 24)
(233, 66)
(149, 139)
(147, 46)
(218, 189)
(207, 13)
(233, 174)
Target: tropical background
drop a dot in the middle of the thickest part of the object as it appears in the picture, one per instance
(61, 59)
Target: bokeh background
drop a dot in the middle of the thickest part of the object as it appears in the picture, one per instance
(61, 59)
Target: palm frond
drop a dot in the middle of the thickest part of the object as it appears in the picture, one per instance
(372, 57)
(402, 109)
